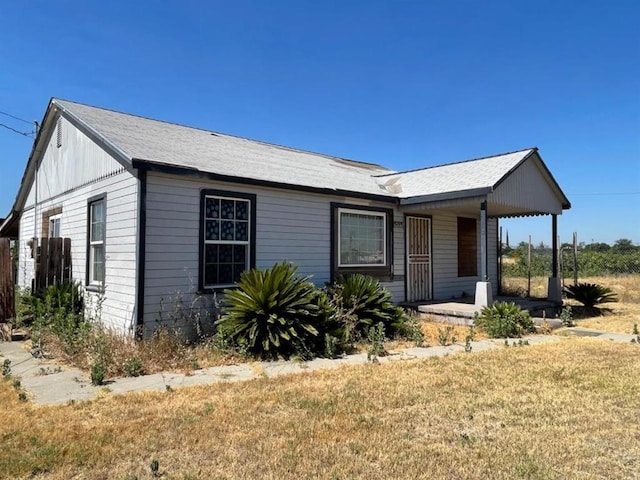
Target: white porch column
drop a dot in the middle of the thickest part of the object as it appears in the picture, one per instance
(484, 294)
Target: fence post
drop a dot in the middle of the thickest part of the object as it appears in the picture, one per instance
(529, 269)
(575, 258)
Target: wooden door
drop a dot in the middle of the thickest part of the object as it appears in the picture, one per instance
(418, 258)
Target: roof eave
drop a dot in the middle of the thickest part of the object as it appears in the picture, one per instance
(10, 226)
(473, 192)
(152, 166)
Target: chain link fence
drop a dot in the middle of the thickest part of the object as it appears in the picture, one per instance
(524, 269)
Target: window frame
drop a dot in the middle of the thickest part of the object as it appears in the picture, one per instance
(381, 271)
(466, 267)
(354, 211)
(251, 242)
(91, 284)
(52, 222)
(55, 212)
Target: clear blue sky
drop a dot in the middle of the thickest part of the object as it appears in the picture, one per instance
(403, 84)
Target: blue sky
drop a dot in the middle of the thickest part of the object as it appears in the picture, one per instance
(403, 84)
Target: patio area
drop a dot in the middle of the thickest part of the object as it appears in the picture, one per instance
(462, 310)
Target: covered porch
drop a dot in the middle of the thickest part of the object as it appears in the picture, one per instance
(466, 200)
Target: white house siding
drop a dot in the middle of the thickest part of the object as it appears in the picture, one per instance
(64, 180)
(25, 262)
(396, 287)
(290, 225)
(446, 283)
(527, 188)
(77, 161)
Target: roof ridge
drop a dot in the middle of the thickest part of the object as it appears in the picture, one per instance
(458, 162)
(262, 142)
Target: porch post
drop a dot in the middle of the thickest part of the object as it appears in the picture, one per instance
(554, 245)
(554, 290)
(484, 295)
(484, 268)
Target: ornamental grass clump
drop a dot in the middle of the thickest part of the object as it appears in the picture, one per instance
(504, 319)
(273, 312)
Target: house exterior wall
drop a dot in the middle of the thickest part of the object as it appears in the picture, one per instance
(290, 225)
(64, 181)
(446, 283)
(527, 188)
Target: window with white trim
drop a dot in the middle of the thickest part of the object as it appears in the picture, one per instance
(362, 238)
(96, 242)
(227, 249)
(54, 226)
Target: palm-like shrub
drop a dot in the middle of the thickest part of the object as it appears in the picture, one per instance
(273, 312)
(590, 294)
(504, 319)
(363, 303)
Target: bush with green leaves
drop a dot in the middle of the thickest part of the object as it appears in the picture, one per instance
(59, 309)
(590, 294)
(273, 312)
(363, 303)
(504, 319)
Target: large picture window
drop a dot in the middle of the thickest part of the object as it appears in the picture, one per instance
(96, 242)
(467, 247)
(362, 238)
(227, 241)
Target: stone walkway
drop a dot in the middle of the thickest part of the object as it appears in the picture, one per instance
(48, 384)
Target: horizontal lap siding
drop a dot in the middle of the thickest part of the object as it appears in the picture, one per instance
(67, 177)
(25, 262)
(120, 244)
(290, 226)
(446, 283)
(396, 287)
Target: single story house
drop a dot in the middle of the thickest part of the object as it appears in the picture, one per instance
(154, 210)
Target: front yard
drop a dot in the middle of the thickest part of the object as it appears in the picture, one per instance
(561, 410)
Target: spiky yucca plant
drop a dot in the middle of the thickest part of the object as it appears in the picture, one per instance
(273, 312)
(367, 303)
(590, 294)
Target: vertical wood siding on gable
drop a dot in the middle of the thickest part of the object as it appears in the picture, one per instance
(77, 162)
(291, 226)
(121, 228)
(527, 188)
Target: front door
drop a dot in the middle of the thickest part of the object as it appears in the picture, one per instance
(418, 258)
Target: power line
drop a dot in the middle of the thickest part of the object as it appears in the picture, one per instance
(26, 134)
(16, 118)
(603, 194)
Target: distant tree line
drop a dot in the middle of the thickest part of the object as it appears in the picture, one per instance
(593, 259)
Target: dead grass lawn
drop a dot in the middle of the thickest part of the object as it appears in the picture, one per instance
(562, 410)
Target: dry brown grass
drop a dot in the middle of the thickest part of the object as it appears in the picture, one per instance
(619, 317)
(162, 352)
(563, 410)
(627, 287)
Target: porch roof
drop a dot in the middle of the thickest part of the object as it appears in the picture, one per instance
(513, 184)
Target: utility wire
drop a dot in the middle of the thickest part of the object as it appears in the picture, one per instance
(26, 134)
(16, 118)
(603, 194)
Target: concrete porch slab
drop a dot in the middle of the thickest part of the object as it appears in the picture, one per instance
(462, 311)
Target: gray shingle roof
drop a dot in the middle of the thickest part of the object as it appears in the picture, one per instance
(481, 173)
(211, 152)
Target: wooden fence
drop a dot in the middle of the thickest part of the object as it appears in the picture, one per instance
(7, 304)
(53, 262)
